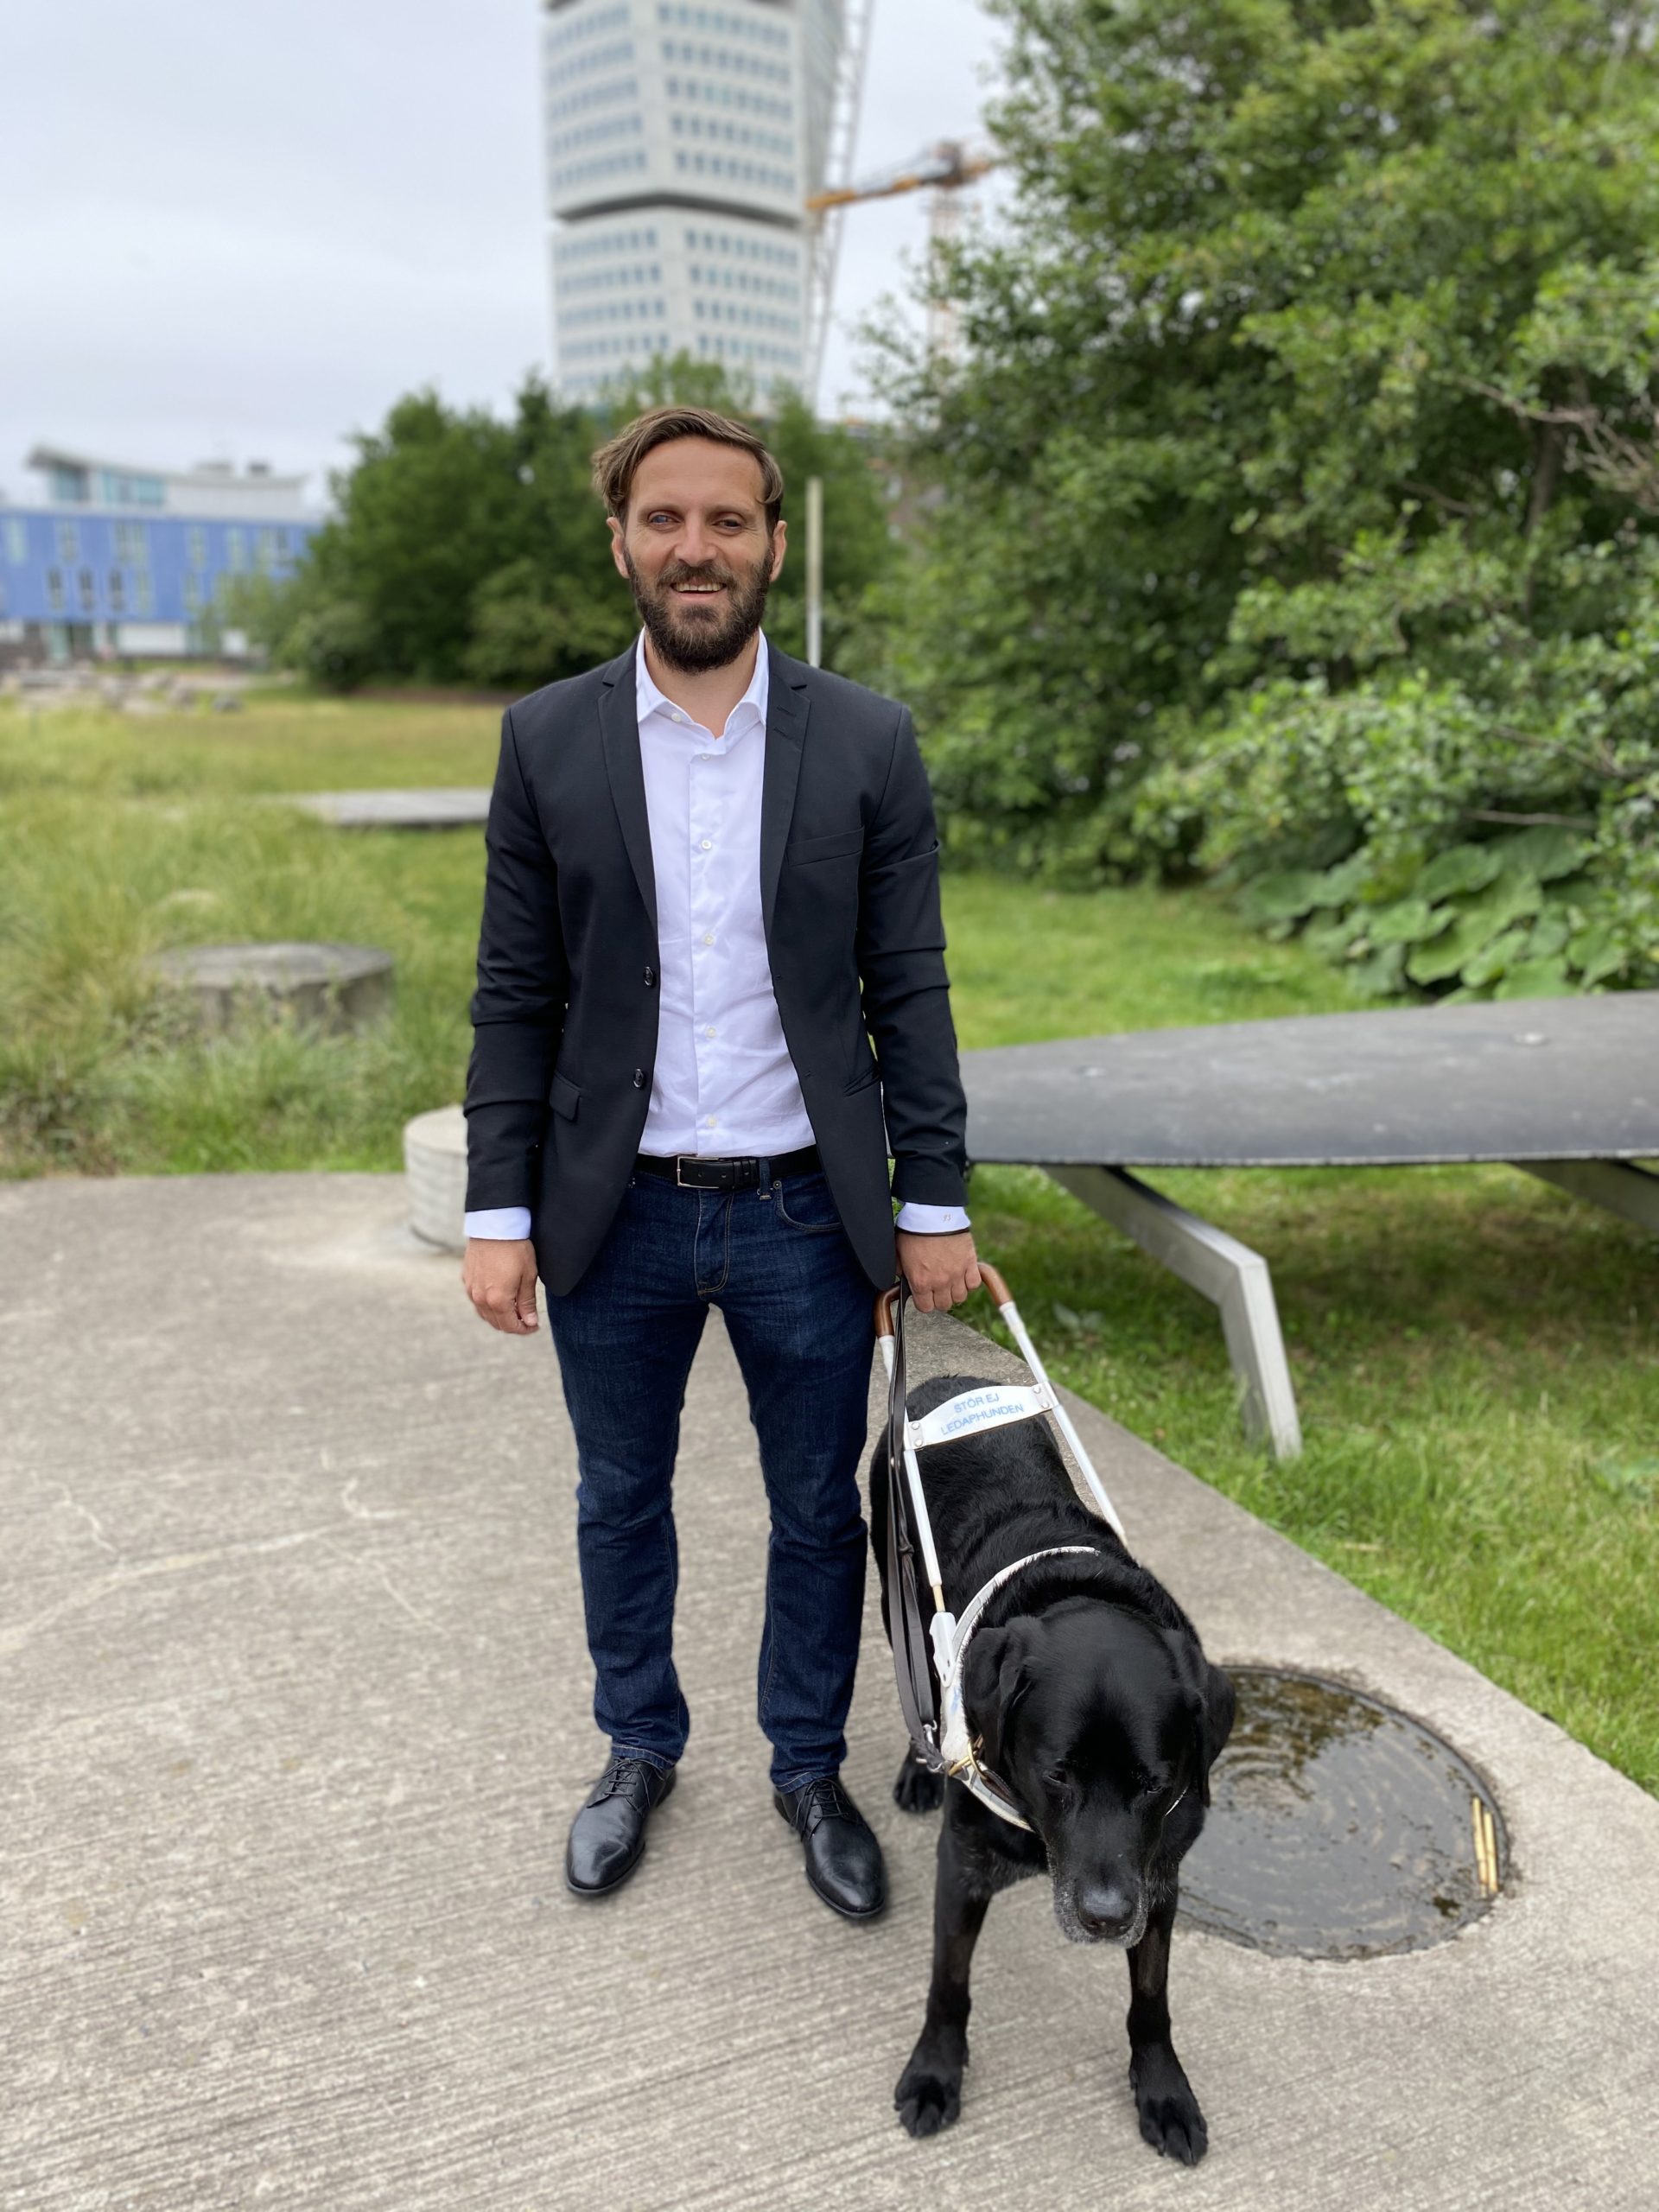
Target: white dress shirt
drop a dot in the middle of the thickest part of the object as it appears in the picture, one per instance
(723, 1085)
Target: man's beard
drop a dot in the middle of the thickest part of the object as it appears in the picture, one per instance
(693, 637)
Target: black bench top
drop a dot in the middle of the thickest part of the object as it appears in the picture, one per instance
(1567, 1079)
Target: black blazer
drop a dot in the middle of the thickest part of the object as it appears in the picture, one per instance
(565, 1012)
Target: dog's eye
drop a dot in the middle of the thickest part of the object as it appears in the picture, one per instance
(1058, 1779)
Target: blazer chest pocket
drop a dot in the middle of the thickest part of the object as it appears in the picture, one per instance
(565, 1097)
(835, 847)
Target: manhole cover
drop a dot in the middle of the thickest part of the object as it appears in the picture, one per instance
(1340, 1828)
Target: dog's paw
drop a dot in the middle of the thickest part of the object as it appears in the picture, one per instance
(928, 2097)
(916, 1788)
(1170, 2119)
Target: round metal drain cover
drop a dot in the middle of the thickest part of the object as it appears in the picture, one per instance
(1338, 1827)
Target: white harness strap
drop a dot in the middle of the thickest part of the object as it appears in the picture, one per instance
(955, 1743)
(991, 1405)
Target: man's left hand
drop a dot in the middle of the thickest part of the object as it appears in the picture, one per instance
(940, 1270)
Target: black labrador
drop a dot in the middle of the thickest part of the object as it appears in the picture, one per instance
(1087, 1694)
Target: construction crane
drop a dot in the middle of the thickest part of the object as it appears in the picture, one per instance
(943, 169)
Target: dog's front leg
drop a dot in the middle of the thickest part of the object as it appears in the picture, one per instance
(929, 2094)
(1170, 2119)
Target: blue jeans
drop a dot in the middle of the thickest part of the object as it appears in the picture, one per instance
(799, 1309)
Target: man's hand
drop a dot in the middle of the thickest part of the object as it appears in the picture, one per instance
(940, 1270)
(498, 1276)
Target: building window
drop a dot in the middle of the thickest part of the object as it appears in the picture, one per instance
(117, 593)
(196, 540)
(192, 595)
(236, 551)
(143, 594)
(17, 541)
(54, 590)
(71, 486)
(130, 544)
(119, 490)
(68, 542)
(88, 591)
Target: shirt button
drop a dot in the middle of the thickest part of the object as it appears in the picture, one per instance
(711, 1123)
(707, 844)
(709, 938)
(703, 756)
(709, 1030)
(639, 1078)
(651, 977)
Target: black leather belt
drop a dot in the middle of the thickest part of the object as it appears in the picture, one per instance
(694, 1175)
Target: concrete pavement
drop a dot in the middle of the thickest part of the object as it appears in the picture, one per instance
(297, 1712)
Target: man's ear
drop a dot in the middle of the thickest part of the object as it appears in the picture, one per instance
(1210, 1701)
(997, 1676)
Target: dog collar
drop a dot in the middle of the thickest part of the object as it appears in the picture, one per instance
(957, 1747)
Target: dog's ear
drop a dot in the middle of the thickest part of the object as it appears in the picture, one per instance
(997, 1676)
(1209, 1700)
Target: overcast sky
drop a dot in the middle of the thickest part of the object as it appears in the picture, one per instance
(249, 228)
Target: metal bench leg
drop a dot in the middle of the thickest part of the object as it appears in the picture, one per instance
(1632, 1191)
(1227, 1272)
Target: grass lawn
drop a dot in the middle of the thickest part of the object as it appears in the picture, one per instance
(1474, 1354)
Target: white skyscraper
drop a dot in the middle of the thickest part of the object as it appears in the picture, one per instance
(683, 137)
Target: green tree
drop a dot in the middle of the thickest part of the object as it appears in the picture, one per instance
(466, 548)
(1303, 452)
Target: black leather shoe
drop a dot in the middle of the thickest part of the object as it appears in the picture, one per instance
(608, 1837)
(843, 1859)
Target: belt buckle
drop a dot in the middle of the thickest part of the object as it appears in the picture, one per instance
(679, 1173)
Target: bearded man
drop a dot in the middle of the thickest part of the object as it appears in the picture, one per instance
(711, 1001)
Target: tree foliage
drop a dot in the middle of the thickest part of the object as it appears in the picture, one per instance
(1297, 496)
(470, 549)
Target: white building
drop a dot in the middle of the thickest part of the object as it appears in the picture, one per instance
(683, 137)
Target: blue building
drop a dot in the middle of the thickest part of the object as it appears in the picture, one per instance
(114, 560)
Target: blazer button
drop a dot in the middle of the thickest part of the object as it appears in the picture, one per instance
(639, 1078)
(651, 977)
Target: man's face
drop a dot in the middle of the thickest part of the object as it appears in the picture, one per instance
(696, 549)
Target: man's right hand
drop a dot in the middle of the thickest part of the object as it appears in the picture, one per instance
(498, 1276)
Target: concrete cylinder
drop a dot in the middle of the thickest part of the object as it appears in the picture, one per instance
(332, 987)
(435, 1163)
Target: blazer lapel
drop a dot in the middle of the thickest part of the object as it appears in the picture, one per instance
(786, 710)
(619, 723)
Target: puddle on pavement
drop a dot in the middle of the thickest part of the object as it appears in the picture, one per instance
(1340, 1828)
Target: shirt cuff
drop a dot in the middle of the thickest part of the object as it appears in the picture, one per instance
(930, 1221)
(507, 1224)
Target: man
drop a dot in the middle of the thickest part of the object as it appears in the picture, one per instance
(713, 887)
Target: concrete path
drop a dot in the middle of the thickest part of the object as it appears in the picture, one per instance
(295, 1699)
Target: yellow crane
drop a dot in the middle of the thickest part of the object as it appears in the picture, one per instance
(945, 166)
(943, 169)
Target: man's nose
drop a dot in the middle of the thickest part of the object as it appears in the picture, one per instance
(1105, 1906)
(696, 547)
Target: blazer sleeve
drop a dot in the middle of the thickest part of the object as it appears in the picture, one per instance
(906, 991)
(518, 1009)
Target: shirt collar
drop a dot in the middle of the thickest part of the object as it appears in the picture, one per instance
(649, 700)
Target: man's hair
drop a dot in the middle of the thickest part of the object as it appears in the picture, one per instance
(617, 461)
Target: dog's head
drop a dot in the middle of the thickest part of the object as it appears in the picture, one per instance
(1106, 1726)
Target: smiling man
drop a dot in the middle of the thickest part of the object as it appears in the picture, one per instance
(711, 1001)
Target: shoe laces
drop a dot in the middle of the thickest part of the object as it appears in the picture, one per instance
(625, 1778)
(823, 1799)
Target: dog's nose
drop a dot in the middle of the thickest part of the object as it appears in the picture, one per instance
(1106, 1909)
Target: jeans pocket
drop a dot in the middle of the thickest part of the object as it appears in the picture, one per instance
(803, 1202)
